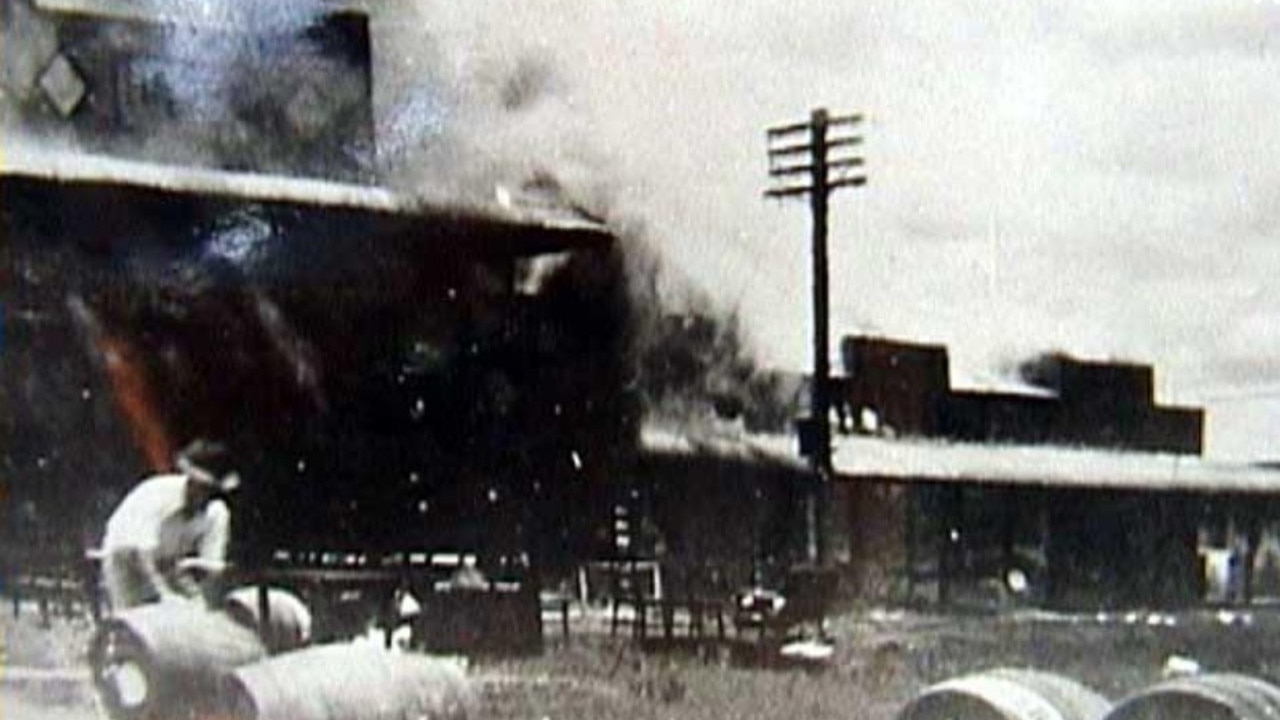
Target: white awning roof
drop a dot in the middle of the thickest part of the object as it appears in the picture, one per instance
(858, 458)
(21, 159)
(723, 443)
(1044, 466)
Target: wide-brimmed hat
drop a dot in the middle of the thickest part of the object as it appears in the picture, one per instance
(208, 463)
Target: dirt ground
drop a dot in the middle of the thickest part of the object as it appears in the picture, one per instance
(882, 659)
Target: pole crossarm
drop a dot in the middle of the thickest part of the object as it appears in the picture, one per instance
(840, 142)
(784, 130)
(791, 170)
(790, 191)
(851, 119)
(787, 150)
(796, 190)
(807, 148)
(843, 164)
(858, 181)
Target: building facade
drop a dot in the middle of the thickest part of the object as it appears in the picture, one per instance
(906, 388)
(1077, 490)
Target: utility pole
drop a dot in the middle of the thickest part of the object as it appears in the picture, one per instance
(806, 150)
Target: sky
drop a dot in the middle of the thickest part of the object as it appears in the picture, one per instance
(1094, 178)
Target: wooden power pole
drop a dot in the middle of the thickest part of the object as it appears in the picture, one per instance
(820, 158)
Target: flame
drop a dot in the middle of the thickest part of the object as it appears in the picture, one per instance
(136, 401)
(130, 386)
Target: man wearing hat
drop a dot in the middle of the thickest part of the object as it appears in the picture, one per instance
(168, 538)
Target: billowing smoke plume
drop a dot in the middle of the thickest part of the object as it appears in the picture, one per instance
(463, 112)
(481, 104)
(691, 358)
(1045, 176)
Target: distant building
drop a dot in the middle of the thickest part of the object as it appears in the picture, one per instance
(1068, 487)
(1076, 481)
(904, 389)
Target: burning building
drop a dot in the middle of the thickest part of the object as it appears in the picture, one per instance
(195, 243)
(192, 248)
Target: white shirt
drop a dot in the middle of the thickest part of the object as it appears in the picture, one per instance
(150, 518)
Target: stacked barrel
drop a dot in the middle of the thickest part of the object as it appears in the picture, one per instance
(178, 659)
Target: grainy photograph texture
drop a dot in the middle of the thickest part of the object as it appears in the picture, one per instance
(570, 359)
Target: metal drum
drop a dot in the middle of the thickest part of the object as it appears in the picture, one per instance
(167, 659)
(1213, 696)
(289, 626)
(348, 682)
(1007, 694)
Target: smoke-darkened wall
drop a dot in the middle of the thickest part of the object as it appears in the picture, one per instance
(387, 381)
(719, 524)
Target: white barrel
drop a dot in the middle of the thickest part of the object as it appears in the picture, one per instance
(1224, 696)
(1007, 694)
(167, 659)
(290, 621)
(348, 682)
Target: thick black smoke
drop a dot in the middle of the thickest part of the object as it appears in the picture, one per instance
(692, 357)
